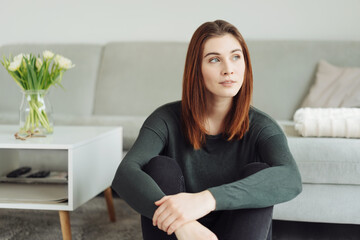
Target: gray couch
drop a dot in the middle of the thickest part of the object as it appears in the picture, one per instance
(121, 83)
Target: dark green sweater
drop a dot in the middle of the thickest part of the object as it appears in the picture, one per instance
(215, 167)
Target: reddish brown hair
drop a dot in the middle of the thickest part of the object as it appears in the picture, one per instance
(193, 95)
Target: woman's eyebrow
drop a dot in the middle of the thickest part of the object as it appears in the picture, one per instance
(216, 53)
(235, 50)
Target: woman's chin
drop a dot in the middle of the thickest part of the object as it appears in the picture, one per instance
(229, 94)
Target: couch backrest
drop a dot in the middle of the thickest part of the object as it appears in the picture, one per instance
(137, 77)
(79, 82)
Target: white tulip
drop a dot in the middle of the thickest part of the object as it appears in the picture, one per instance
(63, 62)
(18, 58)
(48, 54)
(38, 63)
(14, 65)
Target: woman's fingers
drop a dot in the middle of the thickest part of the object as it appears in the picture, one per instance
(157, 213)
(164, 224)
(165, 216)
(161, 201)
(161, 220)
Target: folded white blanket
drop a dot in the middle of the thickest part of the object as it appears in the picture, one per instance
(328, 122)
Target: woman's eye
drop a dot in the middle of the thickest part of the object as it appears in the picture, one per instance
(214, 60)
(236, 57)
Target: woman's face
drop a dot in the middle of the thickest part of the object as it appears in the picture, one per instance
(223, 66)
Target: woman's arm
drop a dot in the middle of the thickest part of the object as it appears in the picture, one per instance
(136, 187)
(176, 210)
(279, 183)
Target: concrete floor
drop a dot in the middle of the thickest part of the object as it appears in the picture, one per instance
(285, 230)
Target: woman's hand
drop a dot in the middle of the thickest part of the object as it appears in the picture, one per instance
(176, 210)
(194, 231)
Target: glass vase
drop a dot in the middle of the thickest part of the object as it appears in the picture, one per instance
(36, 113)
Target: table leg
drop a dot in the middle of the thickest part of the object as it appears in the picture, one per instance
(109, 203)
(65, 224)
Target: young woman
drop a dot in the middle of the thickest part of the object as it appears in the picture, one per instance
(210, 166)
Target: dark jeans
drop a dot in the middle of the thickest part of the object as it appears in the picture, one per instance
(247, 224)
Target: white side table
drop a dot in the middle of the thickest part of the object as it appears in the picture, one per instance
(90, 155)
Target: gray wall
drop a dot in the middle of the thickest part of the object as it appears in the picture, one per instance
(24, 21)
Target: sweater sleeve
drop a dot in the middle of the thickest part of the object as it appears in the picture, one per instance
(131, 183)
(279, 183)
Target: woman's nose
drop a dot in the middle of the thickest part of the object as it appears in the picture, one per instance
(228, 73)
(227, 70)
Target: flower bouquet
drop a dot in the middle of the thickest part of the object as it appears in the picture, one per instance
(35, 76)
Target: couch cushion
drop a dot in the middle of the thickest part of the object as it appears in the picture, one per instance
(136, 78)
(324, 160)
(334, 87)
(79, 82)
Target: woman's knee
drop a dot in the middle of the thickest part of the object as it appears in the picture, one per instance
(161, 165)
(167, 173)
(251, 224)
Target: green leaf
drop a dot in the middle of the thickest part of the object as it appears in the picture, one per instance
(33, 71)
(5, 63)
(46, 77)
(40, 76)
(30, 74)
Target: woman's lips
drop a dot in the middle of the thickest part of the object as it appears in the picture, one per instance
(227, 83)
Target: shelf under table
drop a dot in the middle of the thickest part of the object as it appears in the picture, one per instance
(43, 196)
